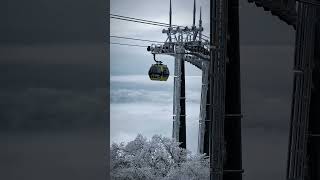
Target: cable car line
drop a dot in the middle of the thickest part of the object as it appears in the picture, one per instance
(143, 21)
(146, 40)
(123, 44)
(138, 19)
(205, 36)
(122, 37)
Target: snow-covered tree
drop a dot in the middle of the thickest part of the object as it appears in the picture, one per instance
(160, 158)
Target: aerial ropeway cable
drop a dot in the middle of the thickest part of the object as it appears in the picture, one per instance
(120, 17)
(129, 38)
(124, 44)
(148, 22)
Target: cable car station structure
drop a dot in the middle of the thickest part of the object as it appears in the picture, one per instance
(220, 107)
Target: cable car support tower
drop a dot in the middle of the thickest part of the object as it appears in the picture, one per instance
(220, 106)
(185, 44)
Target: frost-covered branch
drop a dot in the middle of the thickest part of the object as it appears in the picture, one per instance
(160, 158)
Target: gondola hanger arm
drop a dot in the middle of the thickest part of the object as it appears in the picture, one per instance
(154, 58)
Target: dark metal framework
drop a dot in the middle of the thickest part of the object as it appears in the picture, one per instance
(232, 121)
(313, 144)
(226, 75)
(301, 95)
(182, 127)
(304, 139)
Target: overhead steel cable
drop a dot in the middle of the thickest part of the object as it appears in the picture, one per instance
(205, 36)
(205, 39)
(142, 22)
(136, 39)
(115, 16)
(121, 37)
(124, 44)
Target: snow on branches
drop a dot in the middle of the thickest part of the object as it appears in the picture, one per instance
(160, 158)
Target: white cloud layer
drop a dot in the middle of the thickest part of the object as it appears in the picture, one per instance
(139, 105)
